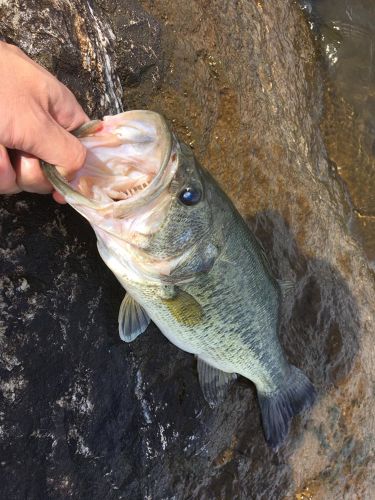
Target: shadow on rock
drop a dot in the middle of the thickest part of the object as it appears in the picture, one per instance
(320, 320)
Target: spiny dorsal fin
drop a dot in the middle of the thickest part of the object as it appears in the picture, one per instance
(214, 382)
(286, 287)
(132, 319)
(264, 258)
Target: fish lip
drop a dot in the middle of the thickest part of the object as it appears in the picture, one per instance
(125, 208)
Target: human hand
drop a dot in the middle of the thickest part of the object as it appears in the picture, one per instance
(37, 111)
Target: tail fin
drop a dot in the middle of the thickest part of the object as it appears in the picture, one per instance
(279, 407)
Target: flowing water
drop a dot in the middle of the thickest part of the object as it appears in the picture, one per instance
(345, 32)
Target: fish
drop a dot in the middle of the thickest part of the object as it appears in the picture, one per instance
(187, 261)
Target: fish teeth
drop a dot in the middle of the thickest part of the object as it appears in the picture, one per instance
(127, 193)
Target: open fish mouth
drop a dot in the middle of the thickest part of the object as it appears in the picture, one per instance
(130, 159)
(124, 155)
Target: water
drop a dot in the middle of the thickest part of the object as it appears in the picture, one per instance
(345, 31)
(104, 39)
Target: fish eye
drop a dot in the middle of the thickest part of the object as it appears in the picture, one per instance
(190, 196)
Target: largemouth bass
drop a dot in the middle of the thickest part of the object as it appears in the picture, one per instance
(187, 261)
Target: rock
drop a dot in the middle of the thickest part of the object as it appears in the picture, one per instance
(84, 415)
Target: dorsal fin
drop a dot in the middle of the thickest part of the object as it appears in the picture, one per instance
(132, 319)
(286, 287)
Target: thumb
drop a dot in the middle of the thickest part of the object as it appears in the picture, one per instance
(57, 146)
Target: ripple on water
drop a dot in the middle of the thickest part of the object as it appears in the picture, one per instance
(346, 34)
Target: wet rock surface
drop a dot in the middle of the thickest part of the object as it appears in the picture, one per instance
(83, 415)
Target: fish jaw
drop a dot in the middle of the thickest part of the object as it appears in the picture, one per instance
(131, 158)
(123, 156)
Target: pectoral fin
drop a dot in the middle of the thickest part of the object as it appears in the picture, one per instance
(132, 319)
(184, 307)
(214, 382)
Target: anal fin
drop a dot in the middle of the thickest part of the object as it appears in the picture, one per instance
(132, 319)
(214, 382)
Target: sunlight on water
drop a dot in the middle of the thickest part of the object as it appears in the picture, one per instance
(345, 31)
